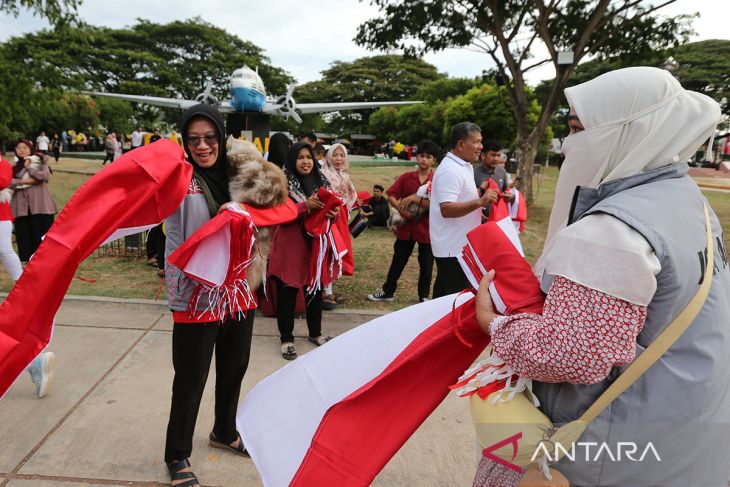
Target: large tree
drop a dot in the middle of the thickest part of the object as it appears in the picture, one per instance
(374, 78)
(508, 31)
(447, 102)
(173, 60)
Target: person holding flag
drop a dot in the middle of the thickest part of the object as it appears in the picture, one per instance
(292, 249)
(199, 327)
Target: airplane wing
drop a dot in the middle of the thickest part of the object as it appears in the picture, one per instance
(335, 107)
(223, 107)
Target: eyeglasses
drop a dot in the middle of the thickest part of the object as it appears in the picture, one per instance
(196, 140)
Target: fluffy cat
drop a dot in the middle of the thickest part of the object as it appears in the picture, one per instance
(256, 182)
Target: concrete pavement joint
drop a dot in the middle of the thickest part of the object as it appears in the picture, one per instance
(14, 473)
(82, 480)
(99, 327)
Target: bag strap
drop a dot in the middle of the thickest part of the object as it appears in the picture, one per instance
(662, 343)
(209, 200)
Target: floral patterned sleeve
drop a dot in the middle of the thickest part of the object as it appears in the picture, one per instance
(581, 335)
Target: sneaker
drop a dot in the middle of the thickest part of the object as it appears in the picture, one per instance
(288, 351)
(41, 372)
(423, 300)
(380, 295)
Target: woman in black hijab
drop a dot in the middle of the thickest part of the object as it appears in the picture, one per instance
(196, 333)
(291, 250)
(279, 145)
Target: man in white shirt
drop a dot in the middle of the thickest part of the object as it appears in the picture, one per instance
(456, 207)
(137, 138)
(42, 141)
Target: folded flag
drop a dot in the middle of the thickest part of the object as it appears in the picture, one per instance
(137, 192)
(216, 257)
(496, 245)
(328, 248)
(499, 208)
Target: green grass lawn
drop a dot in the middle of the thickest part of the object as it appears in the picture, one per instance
(128, 277)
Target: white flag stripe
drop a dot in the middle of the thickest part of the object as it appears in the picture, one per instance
(123, 232)
(210, 260)
(509, 229)
(281, 414)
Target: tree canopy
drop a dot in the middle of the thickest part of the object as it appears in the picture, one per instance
(459, 99)
(58, 12)
(172, 60)
(508, 31)
(702, 66)
(374, 78)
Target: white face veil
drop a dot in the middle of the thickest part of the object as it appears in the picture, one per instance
(635, 119)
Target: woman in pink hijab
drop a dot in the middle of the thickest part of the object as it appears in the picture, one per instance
(337, 171)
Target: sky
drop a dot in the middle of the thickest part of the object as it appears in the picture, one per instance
(305, 43)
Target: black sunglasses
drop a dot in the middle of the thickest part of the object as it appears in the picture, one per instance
(195, 140)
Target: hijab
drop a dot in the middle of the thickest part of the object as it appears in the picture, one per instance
(635, 119)
(340, 178)
(279, 145)
(214, 179)
(302, 187)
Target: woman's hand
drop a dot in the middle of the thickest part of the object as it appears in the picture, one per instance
(225, 206)
(26, 162)
(484, 306)
(313, 203)
(333, 213)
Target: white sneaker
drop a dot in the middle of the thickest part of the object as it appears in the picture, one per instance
(41, 372)
(380, 295)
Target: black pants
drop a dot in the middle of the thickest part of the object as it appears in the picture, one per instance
(450, 278)
(29, 231)
(286, 302)
(155, 245)
(402, 250)
(192, 351)
(108, 157)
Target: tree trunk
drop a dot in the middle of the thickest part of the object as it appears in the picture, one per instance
(526, 153)
(527, 145)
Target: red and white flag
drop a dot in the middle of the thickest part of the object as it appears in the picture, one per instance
(328, 246)
(137, 192)
(338, 414)
(518, 211)
(216, 257)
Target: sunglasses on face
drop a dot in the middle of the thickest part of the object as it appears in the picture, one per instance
(196, 140)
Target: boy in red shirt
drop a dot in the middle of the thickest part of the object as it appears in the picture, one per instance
(414, 230)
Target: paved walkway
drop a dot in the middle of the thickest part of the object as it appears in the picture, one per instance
(104, 421)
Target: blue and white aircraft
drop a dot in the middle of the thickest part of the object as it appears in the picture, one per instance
(248, 94)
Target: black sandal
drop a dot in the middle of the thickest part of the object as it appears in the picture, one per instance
(177, 475)
(239, 450)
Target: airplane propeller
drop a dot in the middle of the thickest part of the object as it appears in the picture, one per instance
(206, 96)
(287, 105)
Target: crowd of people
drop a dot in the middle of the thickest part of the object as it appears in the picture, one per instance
(113, 144)
(616, 207)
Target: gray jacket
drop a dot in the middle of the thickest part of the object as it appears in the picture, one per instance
(192, 214)
(681, 405)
